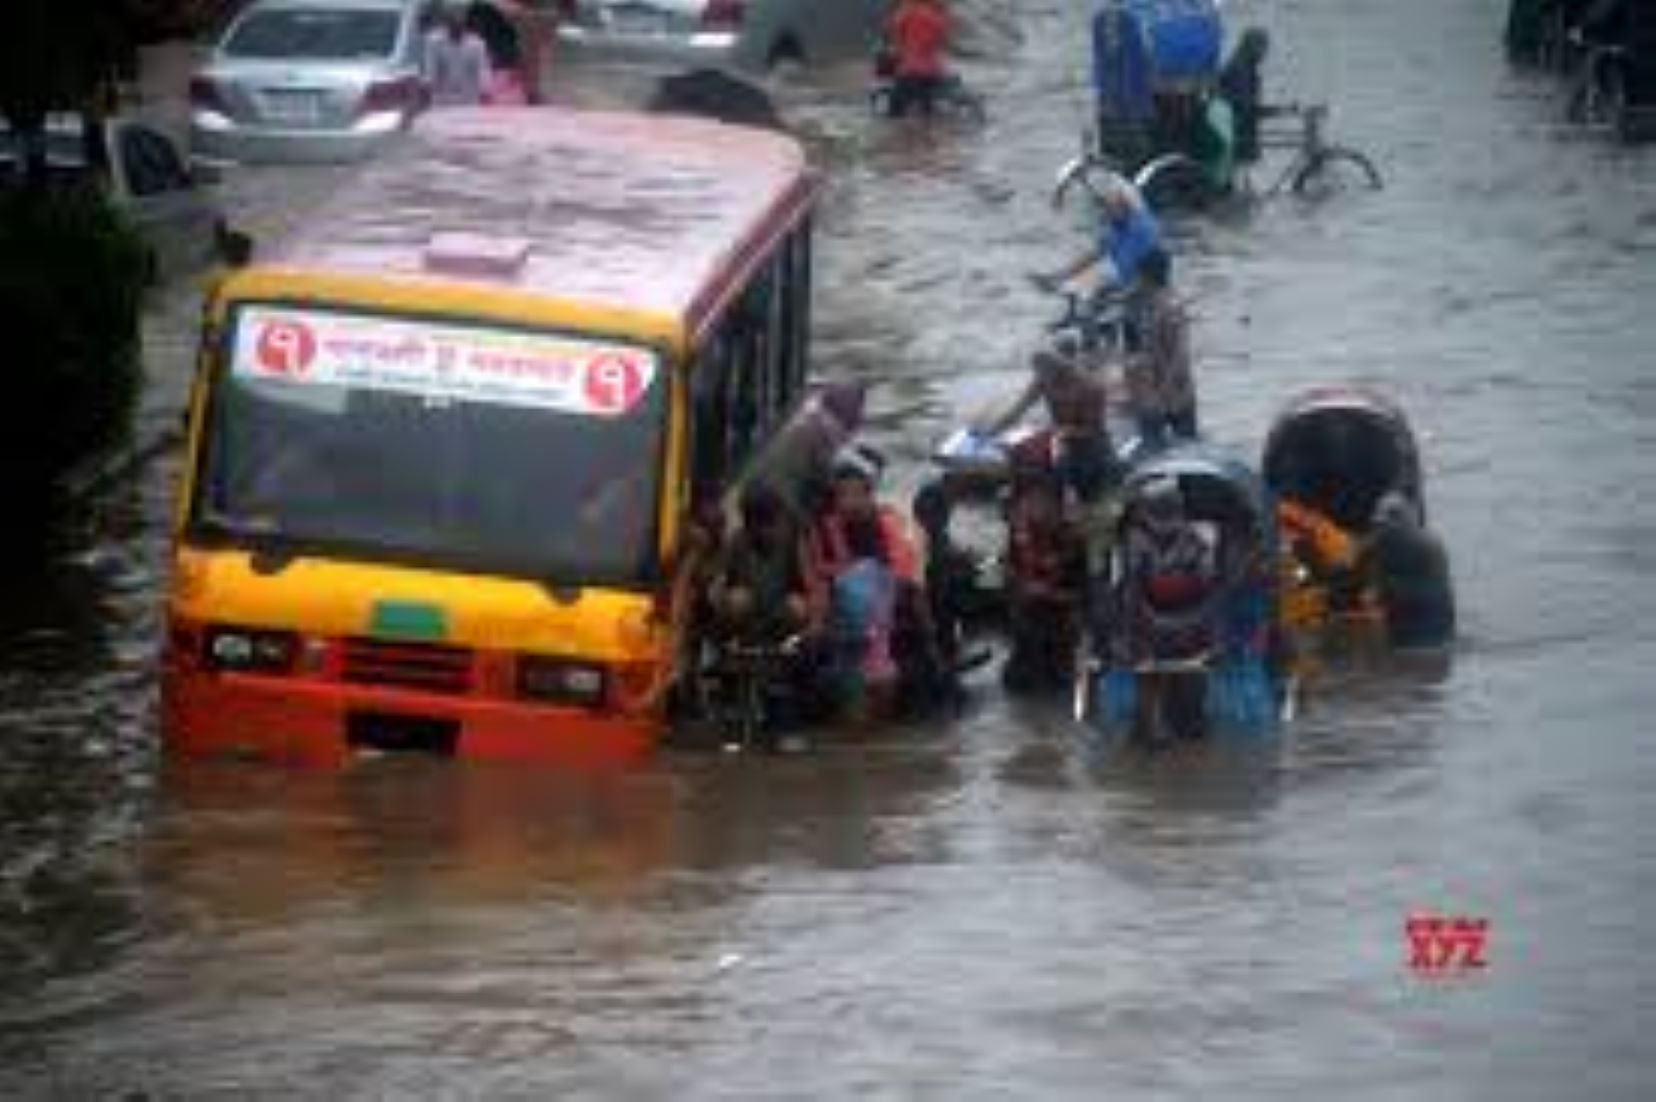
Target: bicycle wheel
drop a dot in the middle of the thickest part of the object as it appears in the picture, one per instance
(1579, 103)
(1174, 181)
(1612, 97)
(750, 720)
(967, 106)
(1078, 174)
(1334, 170)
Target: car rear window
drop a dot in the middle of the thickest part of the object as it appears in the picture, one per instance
(315, 34)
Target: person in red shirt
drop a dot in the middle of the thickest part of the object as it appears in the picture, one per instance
(918, 36)
(831, 554)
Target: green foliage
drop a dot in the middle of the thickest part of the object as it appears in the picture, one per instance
(72, 274)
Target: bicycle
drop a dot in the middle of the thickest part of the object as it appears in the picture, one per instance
(747, 675)
(1092, 326)
(1318, 166)
(953, 100)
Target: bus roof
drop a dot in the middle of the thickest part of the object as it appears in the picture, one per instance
(651, 213)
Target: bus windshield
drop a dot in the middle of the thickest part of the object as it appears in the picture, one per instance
(514, 452)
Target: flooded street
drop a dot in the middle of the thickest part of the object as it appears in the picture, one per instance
(994, 907)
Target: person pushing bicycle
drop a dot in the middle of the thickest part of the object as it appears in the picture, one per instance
(916, 40)
(1129, 234)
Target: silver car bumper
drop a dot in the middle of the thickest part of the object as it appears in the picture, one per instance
(709, 48)
(215, 138)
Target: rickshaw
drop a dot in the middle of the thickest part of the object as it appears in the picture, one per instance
(1155, 64)
(1332, 456)
(1161, 121)
(1214, 663)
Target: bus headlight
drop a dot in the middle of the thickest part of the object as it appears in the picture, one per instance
(559, 681)
(242, 650)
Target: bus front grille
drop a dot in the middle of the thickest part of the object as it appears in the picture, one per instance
(421, 666)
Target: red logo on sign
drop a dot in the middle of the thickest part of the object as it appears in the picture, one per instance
(285, 348)
(1441, 946)
(613, 384)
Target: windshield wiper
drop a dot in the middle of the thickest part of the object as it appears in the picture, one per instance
(272, 550)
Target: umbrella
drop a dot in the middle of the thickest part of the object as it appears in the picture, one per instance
(715, 94)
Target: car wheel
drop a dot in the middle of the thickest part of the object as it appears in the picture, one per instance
(786, 50)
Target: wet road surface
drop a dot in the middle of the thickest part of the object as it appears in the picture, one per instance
(996, 907)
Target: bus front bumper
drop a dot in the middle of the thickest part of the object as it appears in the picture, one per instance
(323, 724)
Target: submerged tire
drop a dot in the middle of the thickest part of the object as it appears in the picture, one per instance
(786, 50)
(1337, 169)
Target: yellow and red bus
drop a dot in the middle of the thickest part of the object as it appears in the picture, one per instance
(443, 438)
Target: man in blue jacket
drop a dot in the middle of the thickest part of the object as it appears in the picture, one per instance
(1129, 234)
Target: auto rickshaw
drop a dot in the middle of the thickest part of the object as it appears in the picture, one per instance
(1342, 463)
(1207, 661)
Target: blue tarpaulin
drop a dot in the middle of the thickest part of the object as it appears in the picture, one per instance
(1144, 46)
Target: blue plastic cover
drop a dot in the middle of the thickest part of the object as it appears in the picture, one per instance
(863, 602)
(1121, 65)
(1242, 699)
(1186, 37)
(1140, 46)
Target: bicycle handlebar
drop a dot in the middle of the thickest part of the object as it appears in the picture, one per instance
(1579, 37)
(1196, 664)
(1299, 109)
(1083, 311)
(756, 651)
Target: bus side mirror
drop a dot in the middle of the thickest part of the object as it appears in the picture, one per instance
(233, 248)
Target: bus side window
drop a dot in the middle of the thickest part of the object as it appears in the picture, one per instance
(747, 340)
(795, 316)
(776, 341)
(752, 370)
(709, 413)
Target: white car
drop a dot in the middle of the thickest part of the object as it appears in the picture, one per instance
(172, 205)
(309, 80)
(748, 34)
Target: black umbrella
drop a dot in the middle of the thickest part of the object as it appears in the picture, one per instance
(716, 95)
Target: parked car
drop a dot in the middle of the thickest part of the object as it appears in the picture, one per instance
(172, 205)
(299, 80)
(749, 34)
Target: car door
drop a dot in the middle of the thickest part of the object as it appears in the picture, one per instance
(176, 217)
